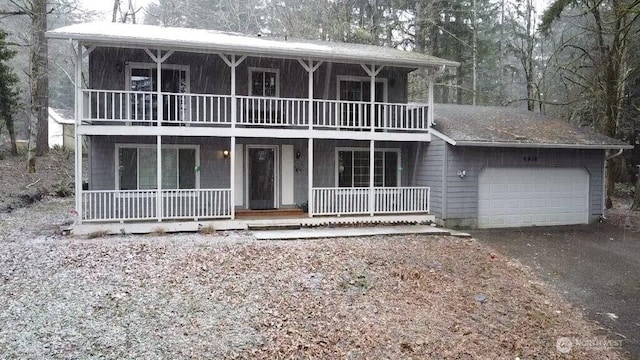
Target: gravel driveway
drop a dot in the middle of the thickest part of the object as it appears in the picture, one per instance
(597, 267)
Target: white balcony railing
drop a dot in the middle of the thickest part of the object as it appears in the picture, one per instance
(271, 111)
(396, 200)
(138, 108)
(136, 205)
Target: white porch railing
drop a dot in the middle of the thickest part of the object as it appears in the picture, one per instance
(139, 107)
(196, 204)
(338, 201)
(116, 205)
(396, 200)
(136, 205)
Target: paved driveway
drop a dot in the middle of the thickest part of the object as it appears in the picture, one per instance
(596, 267)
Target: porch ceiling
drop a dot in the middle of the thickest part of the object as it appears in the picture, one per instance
(184, 39)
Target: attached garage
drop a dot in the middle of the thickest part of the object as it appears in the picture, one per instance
(513, 197)
(492, 167)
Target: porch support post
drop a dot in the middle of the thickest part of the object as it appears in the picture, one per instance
(232, 177)
(372, 197)
(159, 177)
(372, 72)
(233, 63)
(160, 115)
(310, 178)
(311, 68)
(78, 137)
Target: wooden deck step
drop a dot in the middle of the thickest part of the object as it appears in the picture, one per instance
(270, 214)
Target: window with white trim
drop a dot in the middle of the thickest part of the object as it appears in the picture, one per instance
(137, 167)
(143, 80)
(264, 82)
(353, 168)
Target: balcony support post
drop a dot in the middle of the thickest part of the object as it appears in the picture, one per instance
(233, 62)
(372, 71)
(431, 76)
(311, 68)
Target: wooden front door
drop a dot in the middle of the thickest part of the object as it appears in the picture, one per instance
(261, 172)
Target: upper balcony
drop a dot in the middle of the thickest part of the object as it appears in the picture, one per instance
(140, 108)
(156, 80)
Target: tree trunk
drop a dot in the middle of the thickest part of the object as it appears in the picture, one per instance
(39, 74)
(12, 137)
(636, 193)
(116, 7)
(33, 135)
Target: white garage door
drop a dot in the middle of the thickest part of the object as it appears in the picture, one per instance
(511, 197)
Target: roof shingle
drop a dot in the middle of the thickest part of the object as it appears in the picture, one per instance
(469, 125)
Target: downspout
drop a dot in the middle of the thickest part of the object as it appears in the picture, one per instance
(604, 179)
(445, 165)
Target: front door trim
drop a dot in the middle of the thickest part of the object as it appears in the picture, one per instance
(276, 175)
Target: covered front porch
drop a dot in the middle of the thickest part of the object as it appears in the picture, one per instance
(205, 178)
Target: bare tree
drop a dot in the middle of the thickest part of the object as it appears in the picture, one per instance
(126, 13)
(601, 71)
(36, 10)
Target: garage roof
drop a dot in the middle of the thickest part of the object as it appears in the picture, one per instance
(133, 35)
(493, 126)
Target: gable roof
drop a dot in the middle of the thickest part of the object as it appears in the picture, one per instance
(132, 35)
(493, 126)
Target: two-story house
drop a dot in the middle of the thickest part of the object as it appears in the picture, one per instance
(186, 124)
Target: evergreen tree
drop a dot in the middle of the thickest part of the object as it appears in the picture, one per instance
(8, 91)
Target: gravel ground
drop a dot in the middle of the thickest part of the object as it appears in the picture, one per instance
(229, 296)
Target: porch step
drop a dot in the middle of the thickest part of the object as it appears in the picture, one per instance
(272, 227)
(269, 214)
(339, 232)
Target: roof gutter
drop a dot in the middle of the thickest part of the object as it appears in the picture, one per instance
(541, 146)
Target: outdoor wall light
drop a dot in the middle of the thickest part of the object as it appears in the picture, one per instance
(298, 155)
(225, 153)
(462, 173)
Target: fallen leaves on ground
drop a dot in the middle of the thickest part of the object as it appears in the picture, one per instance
(229, 296)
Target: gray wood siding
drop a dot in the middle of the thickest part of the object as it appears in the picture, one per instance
(430, 173)
(462, 193)
(210, 75)
(214, 169)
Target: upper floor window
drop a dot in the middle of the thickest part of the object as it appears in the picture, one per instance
(357, 88)
(264, 82)
(143, 79)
